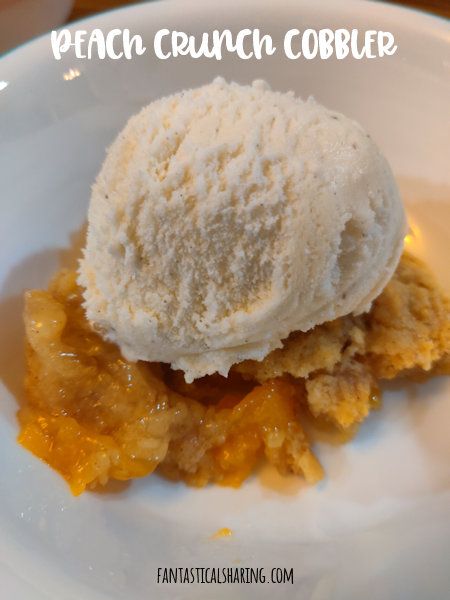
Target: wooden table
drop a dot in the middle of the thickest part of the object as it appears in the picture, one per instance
(84, 8)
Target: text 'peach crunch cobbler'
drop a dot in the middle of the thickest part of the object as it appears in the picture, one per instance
(94, 416)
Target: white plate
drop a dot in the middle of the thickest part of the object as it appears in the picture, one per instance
(379, 525)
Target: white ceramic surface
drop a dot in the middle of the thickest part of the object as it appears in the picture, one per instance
(379, 525)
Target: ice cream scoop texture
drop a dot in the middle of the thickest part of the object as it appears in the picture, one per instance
(226, 217)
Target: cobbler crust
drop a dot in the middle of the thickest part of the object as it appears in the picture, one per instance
(94, 416)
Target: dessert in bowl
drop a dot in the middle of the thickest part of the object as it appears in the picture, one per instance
(243, 265)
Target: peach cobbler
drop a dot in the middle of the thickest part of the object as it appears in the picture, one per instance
(94, 416)
(243, 272)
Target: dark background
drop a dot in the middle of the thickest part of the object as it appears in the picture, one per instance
(83, 8)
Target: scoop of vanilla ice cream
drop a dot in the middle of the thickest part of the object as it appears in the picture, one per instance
(228, 216)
